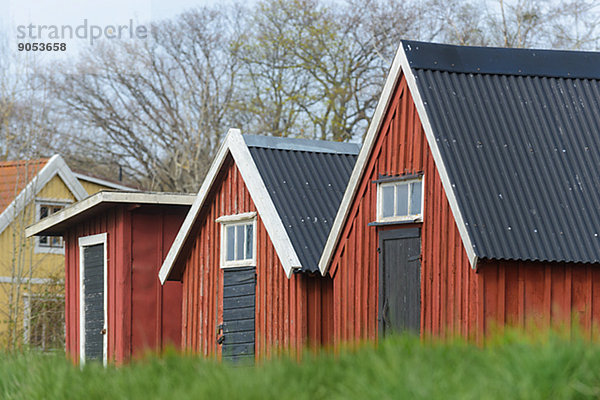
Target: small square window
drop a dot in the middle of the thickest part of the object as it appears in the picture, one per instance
(400, 200)
(48, 244)
(238, 242)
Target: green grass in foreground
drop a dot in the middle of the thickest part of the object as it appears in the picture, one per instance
(509, 367)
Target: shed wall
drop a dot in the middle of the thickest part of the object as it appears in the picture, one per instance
(137, 242)
(116, 223)
(281, 315)
(536, 294)
(153, 232)
(449, 287)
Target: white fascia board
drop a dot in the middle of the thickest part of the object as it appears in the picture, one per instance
(399, 65)
(55, 166)
(191, 216)
(108, 197)
(361, 163)
(264, 204)
(437, 158)
(234, 143)
(102, 182)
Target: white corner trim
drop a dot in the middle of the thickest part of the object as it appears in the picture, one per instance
(84, 242)
(55, 166)
(399, 65)
(101, 182)
(236, 217)
(437, 157)
(234, 143)
(361, 162)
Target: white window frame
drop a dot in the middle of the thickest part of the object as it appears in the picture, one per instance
(402, 218)
(86, 241)
(233, 220)
(39, 202)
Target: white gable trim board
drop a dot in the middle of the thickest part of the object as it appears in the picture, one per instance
(399, 65)
(55, 166)
(235, 145)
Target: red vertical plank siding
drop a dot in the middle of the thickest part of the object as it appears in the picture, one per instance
(132, 296)
(171, 292)
(281, 311)
(539, 294)
(449, 294)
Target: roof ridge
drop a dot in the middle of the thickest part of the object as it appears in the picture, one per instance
(301, 144)
(502, 61)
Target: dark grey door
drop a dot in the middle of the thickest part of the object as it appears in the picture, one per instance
(93, 289)
(399, 281)
(239, 294)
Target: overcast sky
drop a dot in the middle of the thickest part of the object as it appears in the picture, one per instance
(101, 13)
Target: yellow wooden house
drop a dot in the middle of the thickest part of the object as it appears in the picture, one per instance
(31, 269)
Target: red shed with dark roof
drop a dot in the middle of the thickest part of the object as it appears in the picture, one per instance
(115, 243)
(248, 250)
(475, 198)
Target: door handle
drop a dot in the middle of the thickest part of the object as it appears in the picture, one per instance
(103, 331)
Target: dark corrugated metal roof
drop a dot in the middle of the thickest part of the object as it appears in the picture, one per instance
(306, 185)
(522, 151)
(502, 61)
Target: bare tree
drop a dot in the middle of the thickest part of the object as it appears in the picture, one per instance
(156, 107)
(305, 68)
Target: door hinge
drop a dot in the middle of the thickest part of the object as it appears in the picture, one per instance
(221, 339)
(379, 250)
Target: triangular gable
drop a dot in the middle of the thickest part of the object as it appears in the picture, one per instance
(55, 166)
(399, 66)
(235, 145)
(306, 180)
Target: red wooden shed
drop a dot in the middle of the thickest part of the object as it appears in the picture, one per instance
(247, 252)
(115, 243)
(475, 198)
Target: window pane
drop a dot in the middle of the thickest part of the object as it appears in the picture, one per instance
(387, 201)
(249, 241)
(401, 200)
(56, 241)
(239, 242)
(56, 209)
(230, 240)
(43, 241)
(43, 212)
(415, 198)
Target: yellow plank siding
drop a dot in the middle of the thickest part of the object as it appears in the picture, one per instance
(92, 187)
(19, 258)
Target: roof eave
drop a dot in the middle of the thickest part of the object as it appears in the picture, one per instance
(123, 197)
